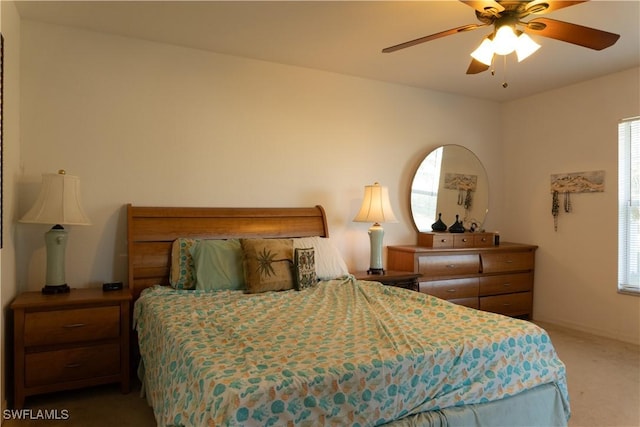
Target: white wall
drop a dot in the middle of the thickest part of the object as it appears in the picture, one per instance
(10, 27)
(572, 129)
(155, 124)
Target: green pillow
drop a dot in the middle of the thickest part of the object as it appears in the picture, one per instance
(218, 264)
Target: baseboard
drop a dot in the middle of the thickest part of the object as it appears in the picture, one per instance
(628, 338)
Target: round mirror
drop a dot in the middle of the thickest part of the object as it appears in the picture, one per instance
(450, 181)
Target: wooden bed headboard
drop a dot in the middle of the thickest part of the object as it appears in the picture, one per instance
(152, 230)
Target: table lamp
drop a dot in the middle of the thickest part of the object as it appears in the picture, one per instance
(377, 209)
(58, 203)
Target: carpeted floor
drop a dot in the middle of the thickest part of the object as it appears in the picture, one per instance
(603, 376)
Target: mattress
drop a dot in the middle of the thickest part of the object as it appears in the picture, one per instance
(345, 352)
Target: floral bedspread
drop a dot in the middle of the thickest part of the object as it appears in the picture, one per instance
(346, 352)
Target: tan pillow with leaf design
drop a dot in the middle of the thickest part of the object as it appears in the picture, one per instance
(267, 264)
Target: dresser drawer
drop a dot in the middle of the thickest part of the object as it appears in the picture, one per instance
(463, 240)
(509, 304)
(467, 302)
(69, 326)
(436, 240)
(451, 289)
(71, 364)
(448, 265)
(483, 240)
(506, 261)
(506, 283)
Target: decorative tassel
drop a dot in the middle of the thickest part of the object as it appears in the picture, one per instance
(567, 202)
(555, 209)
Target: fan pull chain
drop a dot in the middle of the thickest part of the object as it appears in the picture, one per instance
(504, 63)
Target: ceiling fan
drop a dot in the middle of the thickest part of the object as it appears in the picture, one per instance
(506, 16)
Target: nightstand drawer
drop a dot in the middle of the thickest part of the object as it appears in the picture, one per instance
(451, 289)
(506, 283)
(448, 265)
(507, 261)
(69, 326)
(61, 366)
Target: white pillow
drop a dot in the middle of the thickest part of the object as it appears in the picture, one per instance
(329, 262)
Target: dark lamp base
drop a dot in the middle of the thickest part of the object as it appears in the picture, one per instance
(376, 271)
(55, 289)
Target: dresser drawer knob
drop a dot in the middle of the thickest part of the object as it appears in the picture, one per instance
(74, 325)
(506, 304)
(465, 240)
(451, 266)
(509, 261)
(451, 291)
(72, 365)
(443, 241)
(506, 284)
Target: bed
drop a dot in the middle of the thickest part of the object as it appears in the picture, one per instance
(337, 352)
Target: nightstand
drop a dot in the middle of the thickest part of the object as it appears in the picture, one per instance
(71, 340)
(400, 279)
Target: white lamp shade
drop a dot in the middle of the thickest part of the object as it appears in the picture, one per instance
(375, 206)
(484, 52)
(58, 202)
(525, 47)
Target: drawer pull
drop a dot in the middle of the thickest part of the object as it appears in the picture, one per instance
(452, 291)
(74, 325)
(443, 241)
(451, 266)
(506, 285)
(484, 239)
(465, 240)
(72, 365)
(506, 304)
(509, 261)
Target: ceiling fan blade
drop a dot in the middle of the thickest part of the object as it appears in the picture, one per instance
(484, 6)
(433, 37)
(546, 6)
(571, 33)
(476, 67)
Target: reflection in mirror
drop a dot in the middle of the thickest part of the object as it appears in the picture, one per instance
(450, 180)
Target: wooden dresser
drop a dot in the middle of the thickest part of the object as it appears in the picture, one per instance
(70, 340)
(495, 278)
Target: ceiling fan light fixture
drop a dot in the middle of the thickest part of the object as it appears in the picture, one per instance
(484, 52)
(505, 40)
(525, 47)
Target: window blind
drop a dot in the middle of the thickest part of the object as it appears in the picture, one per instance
(629, 206)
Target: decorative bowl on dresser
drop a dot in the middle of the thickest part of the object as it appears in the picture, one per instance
(492, 278)
(70, 340)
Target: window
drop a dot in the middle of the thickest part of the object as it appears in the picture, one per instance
(629, 206)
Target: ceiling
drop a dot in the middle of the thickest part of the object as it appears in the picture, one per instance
(347, 37)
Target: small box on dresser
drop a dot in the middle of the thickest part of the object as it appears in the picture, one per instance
(494, 278)
(430, 239)
(70, 340)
